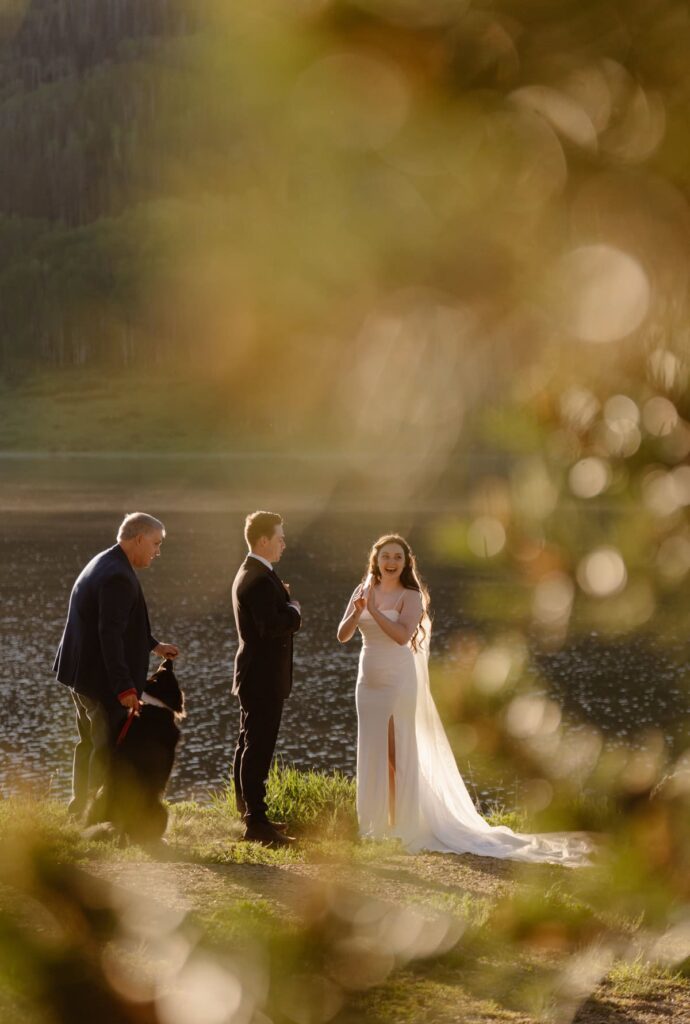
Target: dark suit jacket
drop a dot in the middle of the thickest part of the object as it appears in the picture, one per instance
(265, 623)
(107, 639)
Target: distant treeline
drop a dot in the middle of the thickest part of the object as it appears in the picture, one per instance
(79, 101)
(46, 40)
(74, 100)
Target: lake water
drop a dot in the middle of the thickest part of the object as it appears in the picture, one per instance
(48, 532)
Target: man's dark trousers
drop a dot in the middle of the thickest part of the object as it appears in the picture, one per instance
(259, 725)
(98, 730)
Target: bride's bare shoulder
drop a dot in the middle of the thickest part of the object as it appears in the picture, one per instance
(412, 599)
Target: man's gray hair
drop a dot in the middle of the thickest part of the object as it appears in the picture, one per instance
(135, 523)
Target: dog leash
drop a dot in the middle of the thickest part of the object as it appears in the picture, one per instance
(126, 727)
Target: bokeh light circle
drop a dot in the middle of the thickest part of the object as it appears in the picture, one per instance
(604, 294)
(602, 572)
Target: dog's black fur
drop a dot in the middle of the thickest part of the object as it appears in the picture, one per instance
(132, 799)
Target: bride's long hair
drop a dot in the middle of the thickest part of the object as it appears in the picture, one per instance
(409, 578)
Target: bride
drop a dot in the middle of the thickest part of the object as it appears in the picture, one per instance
(408, 784)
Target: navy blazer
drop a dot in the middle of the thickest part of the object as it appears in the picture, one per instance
(265, 622)
(107, 639)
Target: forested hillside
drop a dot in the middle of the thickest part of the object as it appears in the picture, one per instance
(74, 101)
(77, 97)
(45, 40)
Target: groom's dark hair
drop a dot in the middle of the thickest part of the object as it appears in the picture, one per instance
(260, 524)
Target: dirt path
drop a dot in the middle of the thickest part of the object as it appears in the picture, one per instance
(436, 881)
(433, 885)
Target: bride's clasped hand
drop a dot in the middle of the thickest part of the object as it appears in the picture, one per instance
(408, 783)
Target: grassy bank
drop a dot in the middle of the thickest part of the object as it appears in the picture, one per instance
(82, 411)
(74, 440)
(333, 929)
(154, 410)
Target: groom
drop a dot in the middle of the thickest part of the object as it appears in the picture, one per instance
(266, 618)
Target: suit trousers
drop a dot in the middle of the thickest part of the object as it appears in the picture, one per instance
(259, 724)
(98, 728)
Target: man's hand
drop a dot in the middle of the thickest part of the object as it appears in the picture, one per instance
(130, 701)
(166, 650)
(293, 602)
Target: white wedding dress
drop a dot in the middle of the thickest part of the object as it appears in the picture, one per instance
(433, 810)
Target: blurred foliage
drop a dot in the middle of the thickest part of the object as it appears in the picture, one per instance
(425, 231)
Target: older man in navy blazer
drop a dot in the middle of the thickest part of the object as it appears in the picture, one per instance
(104, 652)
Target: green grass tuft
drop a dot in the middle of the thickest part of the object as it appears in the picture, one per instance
(317, 804)
(641, 979)
(499, 815)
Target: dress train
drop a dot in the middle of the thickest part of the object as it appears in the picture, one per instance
(433, 809)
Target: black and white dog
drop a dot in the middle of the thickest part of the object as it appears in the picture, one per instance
(132, 799)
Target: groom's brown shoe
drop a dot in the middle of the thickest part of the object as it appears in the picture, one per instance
(265, 833)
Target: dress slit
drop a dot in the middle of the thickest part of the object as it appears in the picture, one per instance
(387, 778)
(391, 771)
